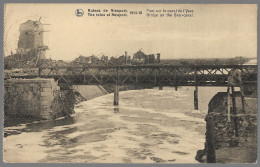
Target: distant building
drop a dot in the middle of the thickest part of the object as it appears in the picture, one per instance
(139, 57)
(150, 58)
(158, 57)
(104, 59)
(118, 61)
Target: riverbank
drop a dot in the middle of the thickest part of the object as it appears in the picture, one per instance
(234, 140)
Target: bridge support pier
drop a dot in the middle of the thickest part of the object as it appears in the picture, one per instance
(39, 72)
(196, 101)
(116, 95)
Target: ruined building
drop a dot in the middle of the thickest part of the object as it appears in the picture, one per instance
(31, 50)
(141, 58)
(31, 38)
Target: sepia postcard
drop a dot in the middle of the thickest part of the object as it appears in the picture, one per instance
(130, 83)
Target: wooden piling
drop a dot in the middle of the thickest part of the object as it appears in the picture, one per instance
(160, 87)
(196, 101)
(228, 104)
(234, 110)
(242, 98)
(116, 95)
(210, 139)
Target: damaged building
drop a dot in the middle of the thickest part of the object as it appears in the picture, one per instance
(141, 58)
(31, 38)
(31, 49)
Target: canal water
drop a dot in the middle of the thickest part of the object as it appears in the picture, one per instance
(148, 126)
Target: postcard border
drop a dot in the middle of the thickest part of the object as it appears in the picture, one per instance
(3, 2)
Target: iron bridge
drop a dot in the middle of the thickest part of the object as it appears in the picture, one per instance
(156, 75)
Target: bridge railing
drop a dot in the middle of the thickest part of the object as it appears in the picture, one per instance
(204, 75)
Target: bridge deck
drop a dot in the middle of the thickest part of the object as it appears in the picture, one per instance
(195, 75)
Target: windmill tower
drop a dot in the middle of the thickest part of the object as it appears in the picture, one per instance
(31, 39)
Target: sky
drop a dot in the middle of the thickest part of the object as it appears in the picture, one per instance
(214, 31)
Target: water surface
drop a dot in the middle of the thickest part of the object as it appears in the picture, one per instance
(148, 126)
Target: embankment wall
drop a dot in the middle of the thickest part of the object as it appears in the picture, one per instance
(234, 141)
(37, 98)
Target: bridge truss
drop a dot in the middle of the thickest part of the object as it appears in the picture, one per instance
(156, 75)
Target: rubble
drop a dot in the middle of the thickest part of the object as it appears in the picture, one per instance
(224, 131)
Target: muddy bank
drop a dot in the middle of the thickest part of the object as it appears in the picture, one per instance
(64, 101)
(234, 139)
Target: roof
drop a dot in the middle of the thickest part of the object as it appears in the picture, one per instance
(31, 26)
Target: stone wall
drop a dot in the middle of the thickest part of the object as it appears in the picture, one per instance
(37, 98)
(245, 121)
(239, 134)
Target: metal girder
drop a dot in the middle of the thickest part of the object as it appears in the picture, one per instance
(193, 75)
